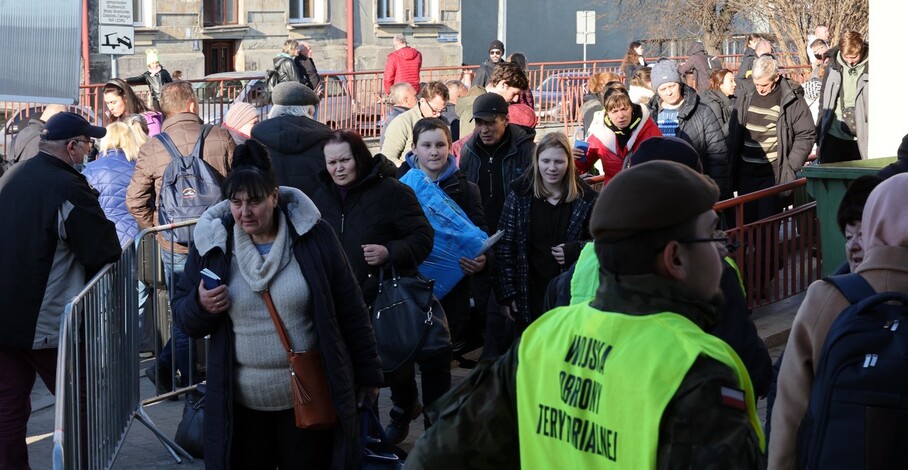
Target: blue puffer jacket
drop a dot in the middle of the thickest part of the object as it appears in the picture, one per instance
(110, 175)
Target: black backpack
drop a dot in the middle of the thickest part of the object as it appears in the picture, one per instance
(858, 412)
(189, 186)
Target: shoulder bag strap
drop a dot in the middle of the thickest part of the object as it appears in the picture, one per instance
(169, 145)
(853, 286)
(278, 323)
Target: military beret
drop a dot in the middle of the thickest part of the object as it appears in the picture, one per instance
(651, 196)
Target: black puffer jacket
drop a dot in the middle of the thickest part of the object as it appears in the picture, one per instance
(377, 210)
(295, 144)
(699, 127)
(720, 105)
(484, 73)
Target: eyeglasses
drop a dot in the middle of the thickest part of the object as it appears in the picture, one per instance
(495, 52)
(718, 237)
(90, 142)
(437, 112)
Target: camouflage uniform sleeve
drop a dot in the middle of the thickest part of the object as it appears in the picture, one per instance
(475, 424)
(698, 431)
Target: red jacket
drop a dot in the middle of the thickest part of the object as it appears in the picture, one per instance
(403, 66)
(604, 144)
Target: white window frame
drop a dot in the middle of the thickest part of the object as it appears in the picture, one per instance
(143, 13)
(426, 11)
(318, 15)
(395, 15)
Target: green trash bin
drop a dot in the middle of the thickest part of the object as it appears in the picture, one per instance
(827, 183)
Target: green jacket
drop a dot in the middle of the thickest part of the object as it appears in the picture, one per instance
(399, 136)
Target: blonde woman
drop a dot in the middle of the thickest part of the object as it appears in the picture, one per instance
(546, 223)
(111, 172)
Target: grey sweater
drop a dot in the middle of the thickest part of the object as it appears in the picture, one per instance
(262, 370)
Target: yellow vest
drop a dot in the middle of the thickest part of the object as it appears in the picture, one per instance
(585, 280)
(592, 386)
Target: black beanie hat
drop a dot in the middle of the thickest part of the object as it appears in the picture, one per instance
(496, 44)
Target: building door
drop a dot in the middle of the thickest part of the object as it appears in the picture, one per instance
(218, 56)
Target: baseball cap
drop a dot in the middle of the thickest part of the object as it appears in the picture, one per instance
(67, 125)
(489, 106)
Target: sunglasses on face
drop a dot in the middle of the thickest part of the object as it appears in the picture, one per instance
(495, 52)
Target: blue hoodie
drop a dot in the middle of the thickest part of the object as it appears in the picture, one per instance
(450, 167)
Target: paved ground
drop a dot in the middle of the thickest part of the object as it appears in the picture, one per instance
(142, 450)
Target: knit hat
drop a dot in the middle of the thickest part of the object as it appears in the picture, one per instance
(652, 196)
(496, 44)
(666, 148)
(293, 94)
(664, 71)
(239, 115)
(151, 56)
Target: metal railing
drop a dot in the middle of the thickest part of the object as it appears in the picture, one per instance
(97, 383)
(356, 100)
(96, 388)
(778, 256)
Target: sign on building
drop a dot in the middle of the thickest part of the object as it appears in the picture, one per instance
(116, 34)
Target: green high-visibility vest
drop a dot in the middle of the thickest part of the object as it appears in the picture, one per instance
(585, 280)
(592, 386)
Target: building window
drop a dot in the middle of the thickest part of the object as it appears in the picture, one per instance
(307, 11)
(390, 11)
(141, 13)
(425, 11)
(219, 12)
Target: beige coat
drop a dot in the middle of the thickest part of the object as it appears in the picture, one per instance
(886, 269)
(145, 187)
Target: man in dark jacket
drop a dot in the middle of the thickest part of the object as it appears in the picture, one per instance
(484, 72)
(495, 155)
(403, 99)
(594, 383)
(678, 112)
(750, 54)
(770, 135)
(55, 238)
(308, 73)
(183, 126)
(25, 142)
(697, 63)
(293, 138)
(403, 65)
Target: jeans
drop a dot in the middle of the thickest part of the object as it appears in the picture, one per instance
(180, 345)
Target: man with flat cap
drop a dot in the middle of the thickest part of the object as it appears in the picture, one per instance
(55, 237)
(293, 137)
(630, 380)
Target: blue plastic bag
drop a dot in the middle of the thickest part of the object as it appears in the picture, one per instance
(455, 235)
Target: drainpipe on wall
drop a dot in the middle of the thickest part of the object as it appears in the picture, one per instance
(350, 62)
(86, 78)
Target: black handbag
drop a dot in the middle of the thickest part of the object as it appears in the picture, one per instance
(377, 452)
(408, 320)
(190, 433)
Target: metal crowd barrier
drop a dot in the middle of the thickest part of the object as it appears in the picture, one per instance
(96, 388)
(98, 363)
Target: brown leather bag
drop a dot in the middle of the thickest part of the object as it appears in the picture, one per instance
(312, 405)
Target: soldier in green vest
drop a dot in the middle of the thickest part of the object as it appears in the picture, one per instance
(630, 380)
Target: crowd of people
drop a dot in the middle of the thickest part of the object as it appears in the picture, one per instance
(311, 216)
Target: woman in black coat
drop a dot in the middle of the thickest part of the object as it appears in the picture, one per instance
(720, 96)
(268, 238)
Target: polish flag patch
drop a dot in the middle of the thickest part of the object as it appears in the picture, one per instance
(733, 398)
